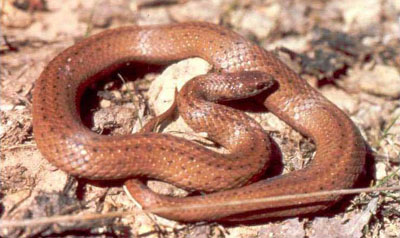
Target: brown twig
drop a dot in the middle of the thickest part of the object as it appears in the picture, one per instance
(59, 219)
(277, 198)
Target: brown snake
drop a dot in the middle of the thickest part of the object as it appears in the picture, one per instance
(68, 144)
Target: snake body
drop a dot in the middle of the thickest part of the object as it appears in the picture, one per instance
(68, 144)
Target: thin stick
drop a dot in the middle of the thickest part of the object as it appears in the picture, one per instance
(276, 198)
(59, 219)
(86, 217)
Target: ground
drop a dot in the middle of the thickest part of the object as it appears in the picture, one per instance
(348, 51)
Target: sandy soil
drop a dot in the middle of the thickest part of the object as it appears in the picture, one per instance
(349, 50)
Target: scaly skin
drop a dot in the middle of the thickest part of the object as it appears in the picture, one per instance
(65, 142)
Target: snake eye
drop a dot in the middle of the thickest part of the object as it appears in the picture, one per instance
(261, 85)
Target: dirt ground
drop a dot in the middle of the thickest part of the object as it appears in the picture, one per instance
(348, 50)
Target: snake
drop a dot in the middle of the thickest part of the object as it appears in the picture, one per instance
(240, 69)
